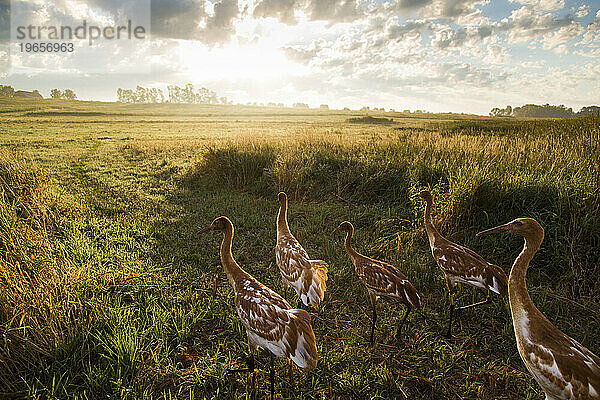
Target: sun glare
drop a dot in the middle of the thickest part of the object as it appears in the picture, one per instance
(251, 61)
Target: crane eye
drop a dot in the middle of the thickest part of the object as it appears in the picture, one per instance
(518, 223)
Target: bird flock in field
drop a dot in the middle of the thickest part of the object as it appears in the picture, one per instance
(561, 366)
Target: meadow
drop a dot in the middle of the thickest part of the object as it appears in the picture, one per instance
(108, 289)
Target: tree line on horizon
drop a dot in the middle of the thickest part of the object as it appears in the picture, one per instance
(188, 95)
(67, 94)
(175, 94)
(543, 111)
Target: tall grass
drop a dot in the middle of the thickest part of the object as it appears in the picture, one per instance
(54, 271)
(480, 175)
(36, 308)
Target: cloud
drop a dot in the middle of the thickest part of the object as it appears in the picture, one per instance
(525, 24)
(335, 10)
(592, 32)
(583, 10)
(4, 60)
(472, 36)
(190, 20)
(464, 73)
(332, 11)
(558, 38)
(542, 5)
(450, 8)
(220, 27)
(4, 21)
(406, 6)
(283, 10)
(205, 21)
(497, 54)
(303, 55)
(177, 19)
(412, 28)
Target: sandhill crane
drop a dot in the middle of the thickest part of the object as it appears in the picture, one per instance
(307, 277)
(560, 365)
(380, 279)
(460, 264)
(269, 320)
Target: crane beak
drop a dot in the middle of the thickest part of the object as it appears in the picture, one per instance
(498, 229)
(205, 229)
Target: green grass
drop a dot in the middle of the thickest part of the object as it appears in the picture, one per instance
(108, 290)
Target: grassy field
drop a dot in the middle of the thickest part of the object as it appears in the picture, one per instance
(107, 289)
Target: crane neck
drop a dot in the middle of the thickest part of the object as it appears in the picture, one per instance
(348, 244)
(517, 285)
(282, 223)
(432, 233)
(232, 269)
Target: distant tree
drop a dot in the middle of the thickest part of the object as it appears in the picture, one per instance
(545, 111)
(346, 109)
(300, 105)
(7, 91)
(175, 94)
(501, 112)
(324, 107)
(589, 110)
(56, 94)
(68, 94)
(125, 96)
(365, 108)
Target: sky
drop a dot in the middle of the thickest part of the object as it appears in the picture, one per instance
(436, 55)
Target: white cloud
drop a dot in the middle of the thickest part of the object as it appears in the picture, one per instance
(283, 10)
(525, 24)
(592, 32)
(497, 54)
(558, 38)
(450, 8)
(304, 54)
(542, 5)
(583, 10)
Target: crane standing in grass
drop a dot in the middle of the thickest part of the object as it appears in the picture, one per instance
(380, 279)
(269, 320)
(560, 365)
(307, 277)
(460, 264)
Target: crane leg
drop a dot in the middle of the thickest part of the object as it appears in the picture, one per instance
(290, 369)
(408, 309)
(272, 376)
(373, 323)
(449, 332)
(249, 365)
